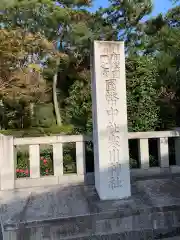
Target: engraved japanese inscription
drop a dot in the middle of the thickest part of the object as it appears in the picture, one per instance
(110, 72)
(111, 91)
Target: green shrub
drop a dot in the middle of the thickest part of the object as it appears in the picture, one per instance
(37, 132)
(69, 153)
(46, 161)
(133, 163)
(22, 168)
(153, 162)
(44, 115)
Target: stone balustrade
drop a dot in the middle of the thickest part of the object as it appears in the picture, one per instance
(8, 146)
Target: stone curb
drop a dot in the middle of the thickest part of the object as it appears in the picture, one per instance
(96, 216)
(83, 226)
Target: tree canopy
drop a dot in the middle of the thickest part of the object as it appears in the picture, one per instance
(45, 49)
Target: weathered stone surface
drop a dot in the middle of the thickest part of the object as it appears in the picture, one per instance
(110, 132)
(134, 235)
(57, 203)
(160, 192)
(13, 204)
(65, 213)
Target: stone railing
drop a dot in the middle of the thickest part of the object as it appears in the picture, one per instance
(8, 146)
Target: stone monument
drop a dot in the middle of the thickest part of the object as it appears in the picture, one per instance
(110, 132)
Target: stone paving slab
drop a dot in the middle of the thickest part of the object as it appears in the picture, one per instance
(160, 192)
(90, 225)
(12, 204)
(72, 211)
(57, 203)
(39, 204)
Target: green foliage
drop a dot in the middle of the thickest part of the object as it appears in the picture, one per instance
(46, 162)
(163, 44)
(143, 112)
(141, 94)
(78, 104)
(152, 69)
(44, 116)
(14, 114)
(126, 17)
(22, 168)
(37, 132)
(69, 162)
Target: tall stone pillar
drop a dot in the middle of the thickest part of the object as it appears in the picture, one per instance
(110, 132)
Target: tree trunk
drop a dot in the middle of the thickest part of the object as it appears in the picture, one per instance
(2, 115)
(55, 100)
(31, 110)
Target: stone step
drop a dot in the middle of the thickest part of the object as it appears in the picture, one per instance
(76, 212)
(109, 224)
(134, 235)
(148, 234)
(173, 238)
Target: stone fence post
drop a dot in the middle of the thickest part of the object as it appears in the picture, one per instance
(7, 163)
